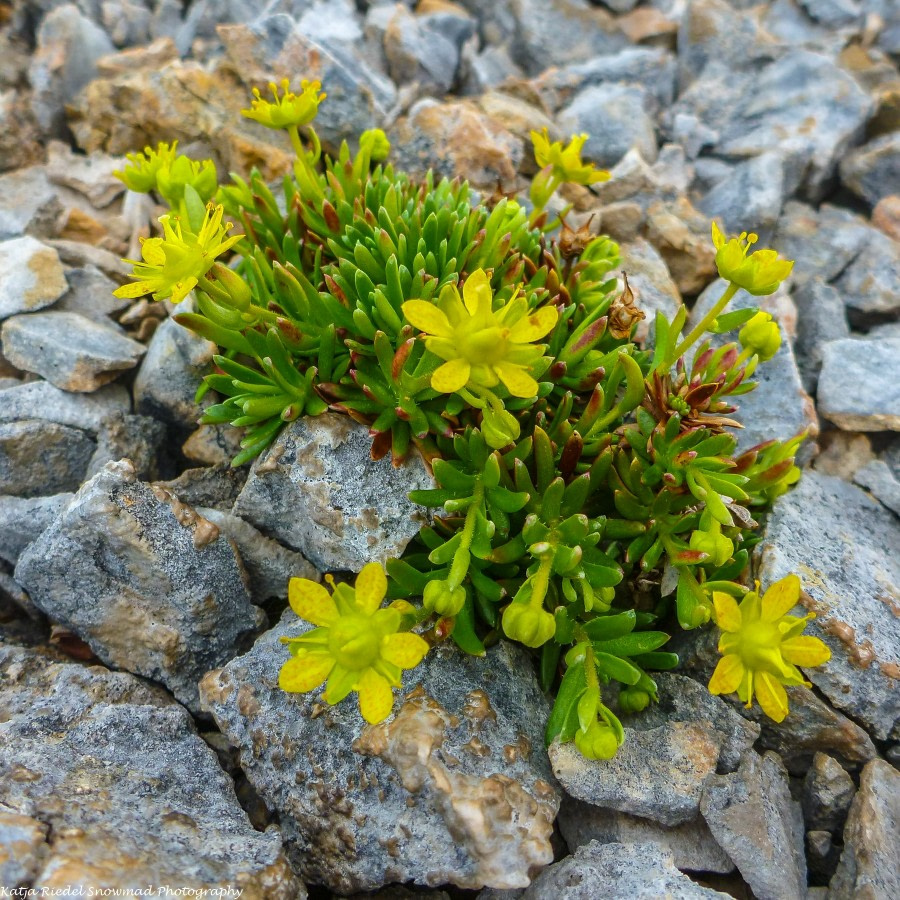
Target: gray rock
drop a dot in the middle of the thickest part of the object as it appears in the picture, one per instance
(484, 70)
(216, 487)
(213, 445)
(871, 283)
(822, 857)
(79, 254)
(752, 816)
(803, 104)
(136, 438)
(613, 871)
(269, 565)
(750, 196)
(91, 294)
(873, 170)
(849, 547)
(68, 47)
(22, 519)
(822, 243)
(41, 400)
(22, 841)
(821, 318)
(858, 388)
(108, 784)
(69, 350)
(653, 287)
(669, 751)
(616, 120)
(28, 204)
(38, 458)
(126, 21)
(827, 794)
(691, 844)
(833, 13)
(31, 276)
(89, 176)
(778, 407)
(318, 490)
(145, 581)
(455, 787)
(870, 863)
(879, 480)
(172, 370)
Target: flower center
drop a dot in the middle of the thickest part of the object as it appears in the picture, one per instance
(758, 641)
(485, 346)
(354, 642)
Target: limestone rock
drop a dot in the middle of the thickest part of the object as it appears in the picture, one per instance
(91, 294)
(170, 374)
(68, 349)
(873, 170)
(691, 844)
(827, 794)
(28, 203)
(455, 787)
(38, 458)
(31, 276)
(871, 283)
(139, 439)
(318, 490)
(210, 486)
(669, 751)
(858, 390)
(611, 871)
(752, 816)
(108, 785)
(145, 581)
(846, 548)
(879, 480)
(22, 519)
(821, 319)
(41, 400)
(870, 863)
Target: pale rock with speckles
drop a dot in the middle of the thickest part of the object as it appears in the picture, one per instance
(31, 276)
(150, 585)
(454, 787)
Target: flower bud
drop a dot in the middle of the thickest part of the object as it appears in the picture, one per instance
(632, 700)
(499, 428)
(529, 625)
(761, 335)
(598, 742)
(237, 290)
(172, 178)
(378, 144)
(439, 598)
(715, 545)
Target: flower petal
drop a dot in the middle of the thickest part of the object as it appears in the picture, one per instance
(805, 650)
(133, 290)
(518, 382)
(728, 614)
(718, 238)
(340, 682)
(772, 696)
(375, 697)
(477, 293)
(451, 376)
(780, 598)
(304, 672)
(311, 601)
(728, 675)
(427, 317)
(371, 586)
(534, 326)
(405, 650)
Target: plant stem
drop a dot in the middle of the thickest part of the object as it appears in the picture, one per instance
(700, 328)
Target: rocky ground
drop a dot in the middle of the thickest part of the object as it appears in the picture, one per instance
(143, 739)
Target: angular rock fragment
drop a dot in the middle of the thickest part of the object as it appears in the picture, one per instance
(139, 439)
(827, 794)
(68, 349)
(41, 400)
(639, 871)
(752, 816)
(318, 490)
(669, 751)
(873, 170)
(22, 519)
(455, 787)
(38, 458)
(871, 283)
(870, 863)
(149, 584)
(877, 477)
(107, 784)
(31, 276)
(846, 548)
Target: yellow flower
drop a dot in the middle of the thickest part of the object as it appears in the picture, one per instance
(174, 264)
(598, 741)
(288, 111)
(180, 171)
(762, 646)
(356, 645)
(140, 173)
(761, 336)
(482, 346)
(759, 273)
(565, 161)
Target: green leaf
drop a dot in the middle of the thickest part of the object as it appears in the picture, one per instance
(615, 667)
(563, 720)
(605, 628)
(633, 644)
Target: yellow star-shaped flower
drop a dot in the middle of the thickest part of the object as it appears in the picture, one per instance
(481, 346)
(356, 645)
(762, 646)
(759, 273)
(566, 162)
(288, 110)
